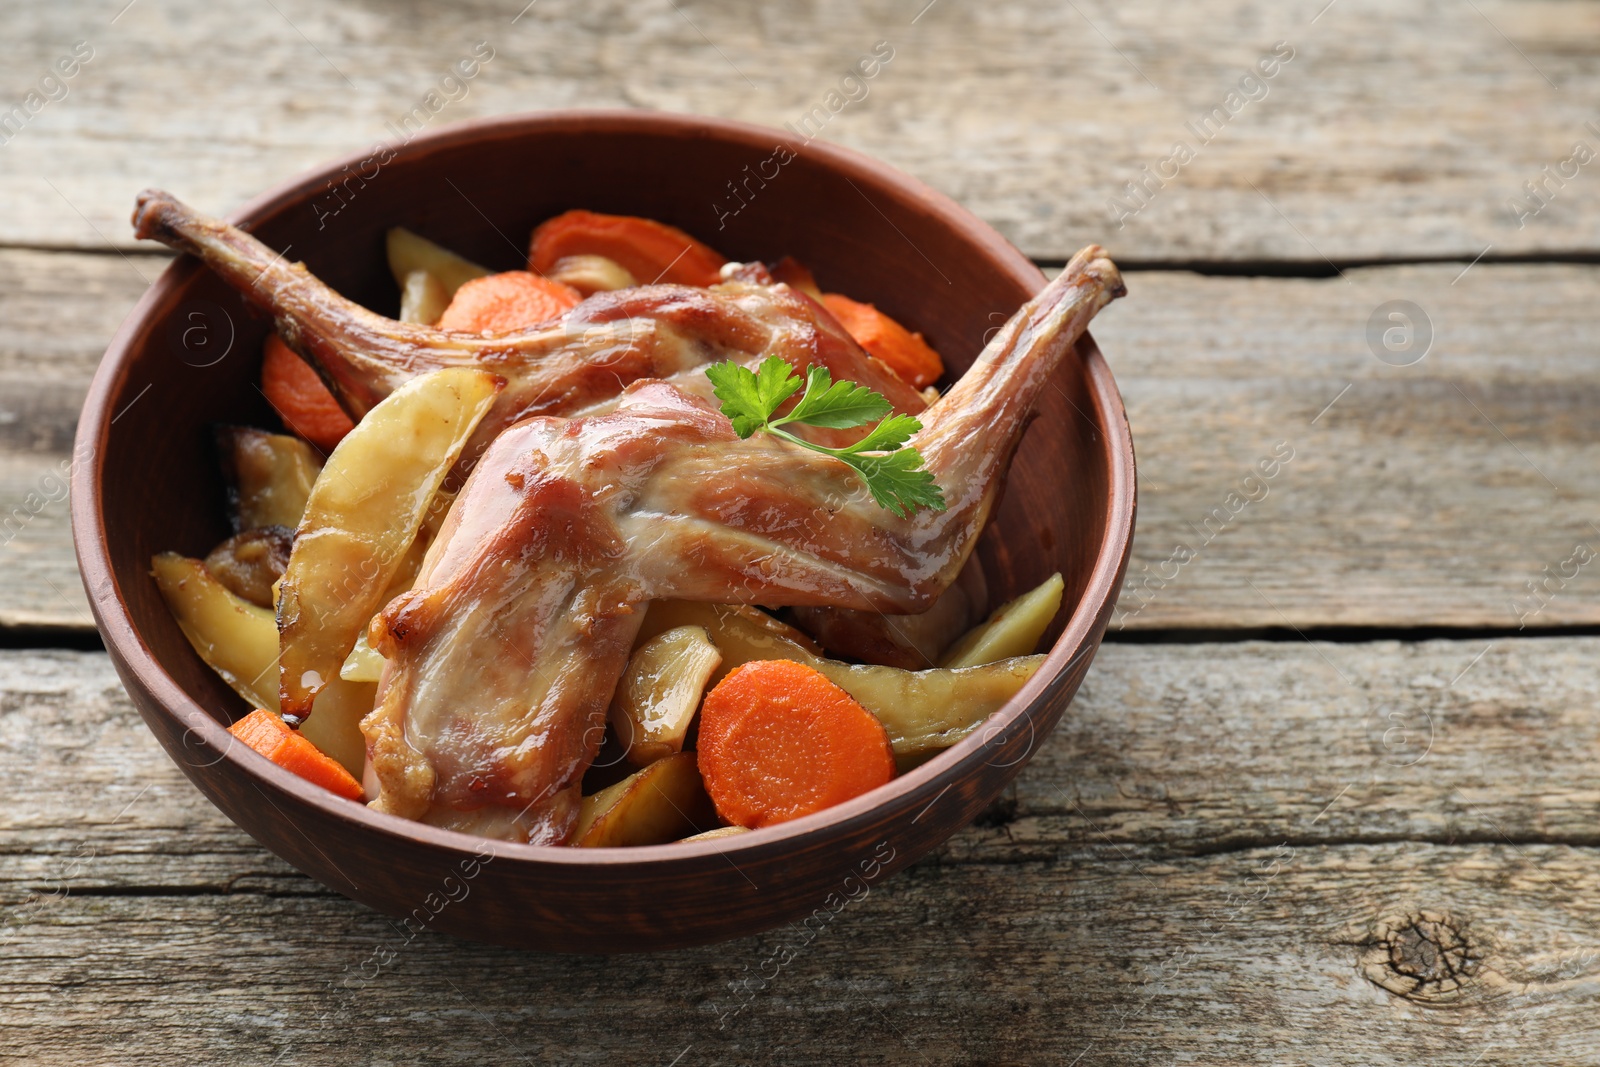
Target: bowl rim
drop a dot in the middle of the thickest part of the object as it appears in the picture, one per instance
(127, 646)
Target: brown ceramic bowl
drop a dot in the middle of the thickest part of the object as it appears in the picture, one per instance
(188, 356)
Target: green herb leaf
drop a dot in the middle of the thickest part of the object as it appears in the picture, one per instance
(750, 397)
(836, 405)
(888, 435)
(898, 482)
(893, 473)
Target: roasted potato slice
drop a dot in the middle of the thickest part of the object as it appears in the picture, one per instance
(923, 711)
(410, 252)
(362, 521)
(363, 664)
(239, 641)
(754, 629)
(269, 476)
(422, 298)
(660, 692)
(236, 638)
(335, 728)
(1013, 630)
(251, 563)
(592, 274)
(664, 802)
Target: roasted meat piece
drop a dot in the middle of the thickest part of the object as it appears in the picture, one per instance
(576, 366)
(249, 563)
(503, 657)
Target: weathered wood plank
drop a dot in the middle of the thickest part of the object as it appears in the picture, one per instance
(1267, 956)
(139, 926)
(57, 313)
(1394, 130)
(1168, 750)
(1428, 479)
(1455, 490)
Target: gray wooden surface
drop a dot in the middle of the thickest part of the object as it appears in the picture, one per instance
(1374, 848)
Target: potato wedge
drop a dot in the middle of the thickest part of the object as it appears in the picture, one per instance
(362, 520)
(239, 641)
(236, 638)
(422, 298)
(664, 802)
(592, 274)
(363, 664)
(755, 629)
(660, 692)
(335, 728)
(269, 476)
(1013, 630)
(412, 252)
(924, 711)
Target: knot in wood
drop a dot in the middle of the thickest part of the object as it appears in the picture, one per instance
(1426, 956)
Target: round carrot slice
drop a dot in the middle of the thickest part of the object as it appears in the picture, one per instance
(778, 740)
(651, 251)
(506, 303)
(906, 353)
(298, 395)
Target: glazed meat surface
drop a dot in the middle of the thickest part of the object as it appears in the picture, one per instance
(503, 657)
(576, 366)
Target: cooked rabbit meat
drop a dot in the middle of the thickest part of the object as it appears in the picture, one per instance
(576, 366)
(503, 657)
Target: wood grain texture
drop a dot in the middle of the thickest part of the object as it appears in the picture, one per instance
(1396, 129)
(1168, 750)
(1169, 882)
(1424, 495)
(57, 313)
(1427, 481)
(1223, 959)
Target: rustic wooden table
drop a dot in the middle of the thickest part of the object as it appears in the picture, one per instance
(1329, 794)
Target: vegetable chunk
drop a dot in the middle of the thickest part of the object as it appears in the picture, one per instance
(660, 692)
(778, 741)
(271, 737)
(239, 641)
(1013, 629)
(269, 475)
(906, 353)
(650, 251)
(300, 397)
(409, 252)
(362, 519)
(924, 711)
(664, 802)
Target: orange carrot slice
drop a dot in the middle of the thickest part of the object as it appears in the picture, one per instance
(906, 353)
(300, 398)
(506, 303)
(653, 252)
(269, 735)
(778, 740)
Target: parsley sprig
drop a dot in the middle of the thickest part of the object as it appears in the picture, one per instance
(893, 472)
